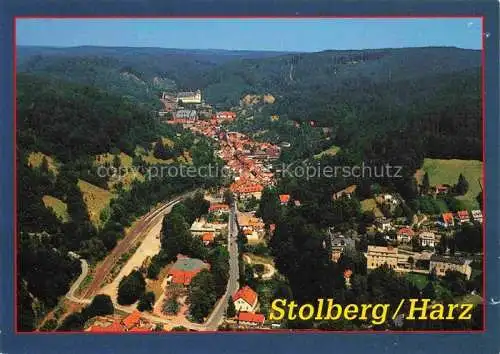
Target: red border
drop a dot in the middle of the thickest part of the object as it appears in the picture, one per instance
(297, 17)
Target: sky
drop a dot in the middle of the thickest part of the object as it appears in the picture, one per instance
(305, 35)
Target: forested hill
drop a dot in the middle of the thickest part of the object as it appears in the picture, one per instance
(141, 73)
(69, 121)
(319, 80)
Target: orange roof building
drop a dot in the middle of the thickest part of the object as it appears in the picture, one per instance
(185, 269)
(245, 299)
(218, 207)
(448, 219)
(251, 319)
(132, 320)
(208, 237)
(284, 198)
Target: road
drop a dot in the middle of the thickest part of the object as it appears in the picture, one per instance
(70, 295)
(125, 244)
(217, 315)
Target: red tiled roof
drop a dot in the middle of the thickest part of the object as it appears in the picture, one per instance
(463, 214)
(132, 319)
(406, 231)
(448, 218)
(247, 294)
(114, 327)
(284, 198)
(208, 236)
(214, 207)
(251, 317)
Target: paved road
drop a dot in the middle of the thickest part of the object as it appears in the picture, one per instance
(217, 315)
(70, 295)
(125, 244)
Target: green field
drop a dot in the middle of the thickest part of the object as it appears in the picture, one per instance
(371, 205)
(447, 172)
(58, 206)
(35, 160)
(96, 199)
(332, 151)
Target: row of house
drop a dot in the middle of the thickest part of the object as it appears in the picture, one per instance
(426, 238)
(461, 217)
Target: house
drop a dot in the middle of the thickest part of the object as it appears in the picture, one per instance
(383, 224)
(189, 97)
(405, 235)
(114, 327)
(390, 199)
(442, 264)
(226, 115)
(477, 215)
(346, 191)
(132, 320)
(250, 319)
(339, 244)
(218, 208)
(245, 299)
(251, 226)
(427, 239)
(189, 114)
(347, 277)
(442, 188)
(208, 238)
(463, 216)
(200, 226)
(284, 199)
(379, 255)
(448, 219)
(185, 269)
(297, 203)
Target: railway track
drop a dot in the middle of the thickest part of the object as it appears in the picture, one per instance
(124, 246)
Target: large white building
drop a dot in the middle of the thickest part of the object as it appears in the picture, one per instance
(189, 97)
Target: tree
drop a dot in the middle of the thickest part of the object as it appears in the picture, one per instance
(456, 282)
(101, 305)
(269, 207)
(73, 322)
(116, 161)
(231, 310)
(411, 260)
(428, 292)
(171, 306)
(462, 185)
(146, 302)
(201, 295)
(131, 287)
(228, 196)
(424, 190)
(44, 166)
